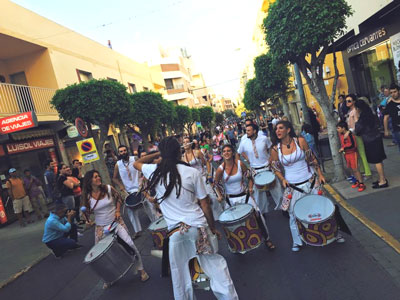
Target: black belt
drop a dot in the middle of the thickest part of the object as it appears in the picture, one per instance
(237, 195)
(260, 168)
(294, 185)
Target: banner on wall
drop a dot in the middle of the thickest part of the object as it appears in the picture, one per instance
(395, 45)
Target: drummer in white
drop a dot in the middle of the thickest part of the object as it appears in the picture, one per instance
(255, 149)
(126, 177)
(186, 209)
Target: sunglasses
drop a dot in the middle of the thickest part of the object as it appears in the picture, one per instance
(349, 101)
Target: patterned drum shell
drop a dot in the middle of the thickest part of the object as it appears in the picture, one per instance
(159, 231)
(241, 228)
(199, 279)
(315, 218)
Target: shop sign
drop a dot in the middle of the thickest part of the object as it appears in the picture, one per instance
(18, 122)
(81, 127)
(29, 145)
(366, 40)
(72, 132)
(88, 151)
(395, 44)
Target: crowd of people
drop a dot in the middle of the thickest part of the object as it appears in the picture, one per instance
(191, 180)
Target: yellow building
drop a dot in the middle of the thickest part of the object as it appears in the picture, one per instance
(38, 56)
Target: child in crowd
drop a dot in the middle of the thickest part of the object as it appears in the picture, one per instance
(349, 149)
(306, 132)
(216, 153)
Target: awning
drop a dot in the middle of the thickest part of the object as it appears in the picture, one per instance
(23, 135)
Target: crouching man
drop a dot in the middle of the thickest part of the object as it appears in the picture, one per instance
(60, 234)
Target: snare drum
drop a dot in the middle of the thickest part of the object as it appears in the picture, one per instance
(315, 218)
(264, 180)
(109, 260)
(159, 231)
(241, 228)
(134, 200)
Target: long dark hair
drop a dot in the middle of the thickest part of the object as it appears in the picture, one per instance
(366, 115)
(167, 172)
(287, 125)
(87, 188)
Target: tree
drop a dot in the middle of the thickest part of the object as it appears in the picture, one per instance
(147, 112)
(195, 117)
(229, 113)
(273, 77)
(207, 115)
(168, 117)
(301, 32)
(254, 95)
(183, 117)
(97, 102)
(219, 118)
(241, 108)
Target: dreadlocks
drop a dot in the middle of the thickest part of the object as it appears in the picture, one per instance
(171, 154)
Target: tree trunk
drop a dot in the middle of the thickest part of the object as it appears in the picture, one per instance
(285, 107)
(305, 116)
(100, 165)
(318, 90)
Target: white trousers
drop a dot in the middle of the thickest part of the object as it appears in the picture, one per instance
(133, 215)
(296, 195)
(182, 248)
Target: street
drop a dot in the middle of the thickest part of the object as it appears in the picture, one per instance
(337, 271)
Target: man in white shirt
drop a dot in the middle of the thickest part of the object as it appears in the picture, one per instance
(189, 221)
(126, 177)
(255, 149)
(275, 120)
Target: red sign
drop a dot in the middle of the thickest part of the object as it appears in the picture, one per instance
(29, 145)
(18, 122)
(81, 126)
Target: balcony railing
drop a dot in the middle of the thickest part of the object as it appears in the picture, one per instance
(15, 98)
(176, 87)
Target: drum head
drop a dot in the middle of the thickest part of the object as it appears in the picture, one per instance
(98, 249)
(133, 199)
(158, 224)
(264, 177)
(313, 209)
(235, 213)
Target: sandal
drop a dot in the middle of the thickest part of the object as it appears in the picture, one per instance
(270, 245)
(144, 276)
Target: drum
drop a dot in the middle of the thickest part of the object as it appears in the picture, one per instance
(158, 230)
(315, 218)
(264, 180)
(241, 228)
(109, 259)
(199, 279)
(134, 200)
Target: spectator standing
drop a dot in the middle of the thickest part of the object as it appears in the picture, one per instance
(232, 136)
(275, 120)
(66, 186)
(32, 187)
(342, 108)
(372, 139)
(392, 112)
(307, 134)
(20, 199)
(50, 180)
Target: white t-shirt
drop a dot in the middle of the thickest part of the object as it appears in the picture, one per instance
(263, 143)
(185, 208)
(274, 121)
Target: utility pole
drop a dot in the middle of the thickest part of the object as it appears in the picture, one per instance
(303, 103)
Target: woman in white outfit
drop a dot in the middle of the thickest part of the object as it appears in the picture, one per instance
(231, 176)
(196, 159)
(105, 203)
(298, 170)
(186, 209)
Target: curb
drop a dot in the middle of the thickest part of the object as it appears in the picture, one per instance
(23, 271)
(376, 229)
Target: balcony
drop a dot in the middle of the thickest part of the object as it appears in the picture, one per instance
(15, 99)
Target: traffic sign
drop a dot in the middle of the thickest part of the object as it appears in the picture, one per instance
(81, 126)
(88, 151)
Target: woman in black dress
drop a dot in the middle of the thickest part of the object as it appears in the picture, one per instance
(367, 128)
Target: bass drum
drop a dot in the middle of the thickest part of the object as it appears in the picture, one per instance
(159, 231)
(315, 218)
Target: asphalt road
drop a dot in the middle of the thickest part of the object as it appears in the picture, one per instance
(338, 271)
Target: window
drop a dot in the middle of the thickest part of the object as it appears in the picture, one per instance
(169, 84)
(112, 79)
(146, 89)
(83, 75)
(132, 88)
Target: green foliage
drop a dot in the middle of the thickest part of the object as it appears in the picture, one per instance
(272, 75)
(183, 117)
(147, 111)
(168, 114)
(195, 115)
(253, 95)
(207, 115)
(229, 113)
(295, 28)
(219, 118)
(100, 102)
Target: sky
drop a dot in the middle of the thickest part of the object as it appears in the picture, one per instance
(216, 33)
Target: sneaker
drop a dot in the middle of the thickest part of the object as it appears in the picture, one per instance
(351, 178)
(355, 184)
(340, 239)
(296, 248)
(361, 187)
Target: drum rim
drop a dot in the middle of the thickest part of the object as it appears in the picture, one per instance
(241, 219)
(137, 204)
(268, 183)
(159, 229)
(309, 222)
(105, 250)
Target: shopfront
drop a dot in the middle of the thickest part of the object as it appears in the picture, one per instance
(371, 58)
